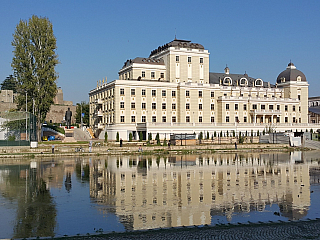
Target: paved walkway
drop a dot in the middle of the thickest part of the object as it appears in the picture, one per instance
(285, 230)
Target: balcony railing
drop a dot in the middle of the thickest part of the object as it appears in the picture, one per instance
(266, 112)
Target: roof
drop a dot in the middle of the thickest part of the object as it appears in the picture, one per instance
(291, 74)
(214, 78)
(143, 61)
(177, 43)
(315, 110)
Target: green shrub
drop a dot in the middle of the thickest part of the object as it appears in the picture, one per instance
(117, 137)
(11, 138)
(140, 137)
(158, 139)
(130, 137)
(105, 137)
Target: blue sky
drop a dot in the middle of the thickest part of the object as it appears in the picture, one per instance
(95, 38)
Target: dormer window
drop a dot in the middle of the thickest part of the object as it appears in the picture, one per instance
(227, 81)
(299, 78)
(243, 82)
(259, 83)
(283, 79)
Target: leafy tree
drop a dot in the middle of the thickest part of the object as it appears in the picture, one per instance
(130, 137)
(165, 142)
(158, 139)
(9, 83)
(200, 137)
(106, 137)
(34, 61)
(82, 107)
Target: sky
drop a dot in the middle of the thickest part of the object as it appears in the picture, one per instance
(95, 38)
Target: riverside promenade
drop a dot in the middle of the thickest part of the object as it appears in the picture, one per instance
(309, 229)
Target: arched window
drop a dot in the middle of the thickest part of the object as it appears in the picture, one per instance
(227, 81)
(258, 82)
(243, 82)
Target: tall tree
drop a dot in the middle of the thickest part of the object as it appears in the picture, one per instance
(9, 84)
(82, 107)
(34, 64)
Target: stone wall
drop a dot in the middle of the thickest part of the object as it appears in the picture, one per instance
(57, 113)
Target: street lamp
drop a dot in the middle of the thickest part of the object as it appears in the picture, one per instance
(26, 114)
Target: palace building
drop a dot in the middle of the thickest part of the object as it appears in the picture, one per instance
(173, 91)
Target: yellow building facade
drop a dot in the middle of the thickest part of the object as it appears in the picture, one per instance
(172, 91)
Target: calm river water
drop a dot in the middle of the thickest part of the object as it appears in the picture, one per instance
(70, 196)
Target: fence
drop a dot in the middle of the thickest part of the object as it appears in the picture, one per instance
(17, 128)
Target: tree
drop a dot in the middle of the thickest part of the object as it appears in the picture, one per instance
(82, 107)
(158, 139)
(130, 137)
(117, 137)
(9, 83)
(33, 64)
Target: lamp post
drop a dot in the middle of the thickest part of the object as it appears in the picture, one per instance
(26, 114)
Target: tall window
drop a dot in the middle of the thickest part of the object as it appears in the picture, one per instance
(200, 106)
(173, 93)
(200, 94)
(212, 119)
(212, 94)
(263, 107)
(187, 118)
(278, 107)
(236, 106)
(161, 75)
(201, 60)
(143, 119)
(293, 108)
(121, 118)
(200, 119)
(244, 107)
(143, 105)
(152, 75)
(174, 119)
(173, 106)
(286, 108)
(154, 118)
(164, 93)
(187, 106)
(227, 119)
(143, 92)
(133, 105)
(143, 74)
(121, 91)
(133, 92)
(154, 93)
(227, 106)
(177, 58)
(189, 59)
(270, 107)
(163, 106)
(245, 119)
(133, 119)
(212, 106)
(187, 93)
(254, 106)
(154, 106)
(164, 119)
(122, 105)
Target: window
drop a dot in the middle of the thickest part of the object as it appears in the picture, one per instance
(187, 106)
(189, 59)
(236, 119)
(133, 92)
(121, 118)
(212, 119)
(143, 92)
(164, 93)
(164, 118)
(200, 119)
(173, 106)
(121, 91)
(163, 106)
(236, 106)
(143, 105)
(174, 119)
(286, 108)
(212, 94)
(245, 119)
(200, 106)
(133, 119)
(212, 107)
(187, 118)
(173, 94)
(122, 105)
(244, 107)
(152, 75)
(278, 119)
(263, 107)
(143, 119)
(286, 119)
(177, 58)
(293, 108)
(270, 107)
(201, 60)
(200, 94)
(254, 106)
(143, 74)
(161, 75)
(133, 105)
(227, 119)
(299, 109)
(154, 118)
(278, 107)
(154, 106)
(187, 93)
(299, 97)
(154, 93)
(227, 106)
(293, 119)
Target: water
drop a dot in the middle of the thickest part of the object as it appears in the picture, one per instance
(70, 196)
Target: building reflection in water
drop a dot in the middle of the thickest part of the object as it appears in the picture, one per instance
(153, 192)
